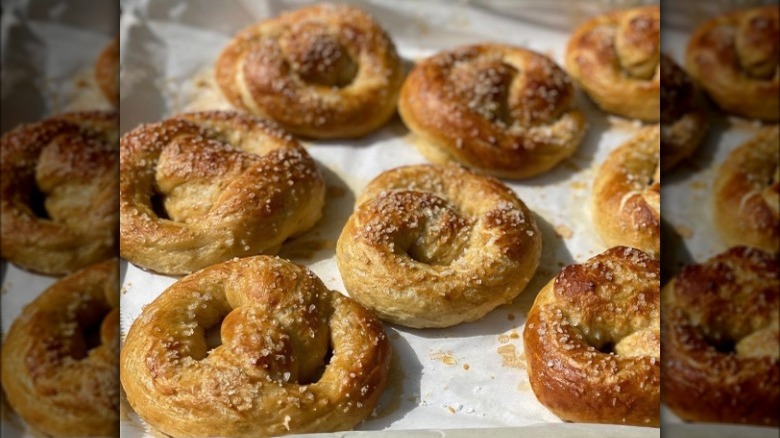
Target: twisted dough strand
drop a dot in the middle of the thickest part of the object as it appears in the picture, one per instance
(53, 377)
(721, 338)
(501, 110)
(324, 71)
(295, 357)
(205, 187)
(592, 340)
(59, 192)
(434, 246)
(615, 58)
(735, 59)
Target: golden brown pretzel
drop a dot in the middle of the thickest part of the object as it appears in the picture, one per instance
(59, 192)
(592, 340)
(295, 357)
(205, 187)
(107, 72)
(683, 125)
(627, 194)
(501, 110)
(434, 246)
(735, 59)
(747, 193)
(721, 339)
(323, 71)
(61, 356)
(615, 58)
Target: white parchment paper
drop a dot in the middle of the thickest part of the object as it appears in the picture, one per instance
(468, 376)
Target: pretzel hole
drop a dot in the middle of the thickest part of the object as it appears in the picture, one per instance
(38, 203)
(91, 335)
(318, 57)
(606, 348)
(317, 375)
(158, 206)
(213, 337)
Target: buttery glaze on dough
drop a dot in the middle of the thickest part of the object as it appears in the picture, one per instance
(205, 187)
(721, 342)
(295, 357)
(593, 342)
(434, 246)
(497, 109)
(323, 71)
(52, 376)
(58, 192)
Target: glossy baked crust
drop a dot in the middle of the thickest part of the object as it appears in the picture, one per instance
(721, 339)
(323, 71)
(615, 58)
(53, 377)
(734, 57)
(434, 246)
(592, 340)
(626, 198)
(497, 109)
(58, 193)
(746, 196)
(202, 188)
(295, 357)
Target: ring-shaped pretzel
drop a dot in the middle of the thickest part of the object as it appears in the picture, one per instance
(61, 356)
(59, 192)
(434, 246)
(294, 357)
(324, 71)
(205, 187)
(615, 58)
(500, 110)
(592, 340)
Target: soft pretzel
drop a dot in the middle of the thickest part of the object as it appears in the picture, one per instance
(295, 357)
(432, 246)
(627, 194)
(107, 72)
(205, 187)
(53, 374)
(615, 58)
(735, 59)
(683, 125)
(501, 110)
(592, 341)
(721, 339)
(747, 193)
(59, 192)
(322, 71)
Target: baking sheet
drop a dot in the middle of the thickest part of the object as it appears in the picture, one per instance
(469, 376)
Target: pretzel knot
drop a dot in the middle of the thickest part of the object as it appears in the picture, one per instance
(205, 187)
(431, 246)
(627, 194)
(592, 340)
(59, 192)
(323, 71)
(735, 59)
(721, 335)
(295, 357)
(501, 110)
(615, 58)
(60, 357)
(747, 193)
(683, 125)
